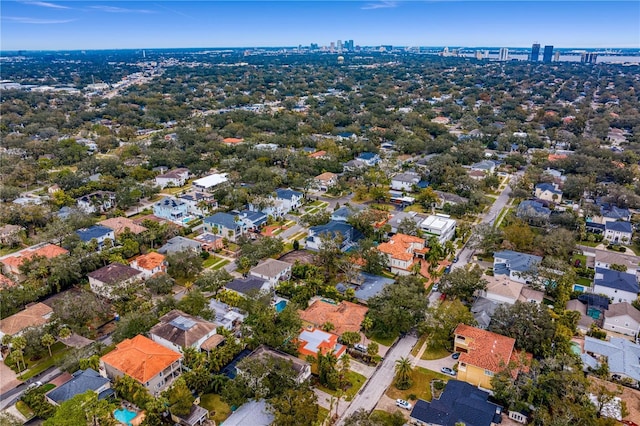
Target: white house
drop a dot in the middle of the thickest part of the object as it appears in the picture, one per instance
(199, 203)
(440, 225)
(405, 181)
(618, 232)
(517, 266)
(272, 270)
(548, 192)
(98, 233)
(622, 318)
(369, 158)
(175, 178)
(325, 181)
(290, 199)
(99, 201)
(606, 258)
(208, 183)
(618, 286)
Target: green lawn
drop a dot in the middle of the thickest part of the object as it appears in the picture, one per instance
(589, 243)
(415, 208)
(221, 264)
(210, 261)
(416, 348)
(24, 409)
(356, 380)
(435, 353)
(586, 282)
(46, 388)
(218, 409)
(59, 351)
(384, 341)
(421, 385)
(323, 413)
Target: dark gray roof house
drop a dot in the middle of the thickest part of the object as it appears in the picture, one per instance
(82, 381)
(178, 244)
(248, 286)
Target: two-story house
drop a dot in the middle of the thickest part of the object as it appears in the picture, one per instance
(607, 258)
(622, 318)
(178, 330)
(172, 209)
(548, 192)
(292, 200)
(179, 244)
(618, 232)
(348, 234)
(405, 181)
(150, 264)
(225, 225)
(147, 362)
(370, 159)
(97, 202)
(199, 203)
(253, 221)
(402, 252)
(107, 281)
(173, 178)
(98, 233)
(441, 226)
(617, 286)
(81, 381)
(272, 270)
(325, 181)
(11, 263)
(35, 315)
(517, 266)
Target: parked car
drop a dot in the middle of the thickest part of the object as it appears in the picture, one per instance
(403, 404)
(360, 348)
(455, 355)
(34, 385)
(447, 370)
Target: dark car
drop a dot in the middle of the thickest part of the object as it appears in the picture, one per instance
(455, 355)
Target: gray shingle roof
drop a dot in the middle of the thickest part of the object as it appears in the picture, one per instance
(114, 273)
(623, 356)
(82, 381)
(616, 279)
(224, 219)
(247, 285)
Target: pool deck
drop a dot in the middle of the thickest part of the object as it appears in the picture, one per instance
(137, 420)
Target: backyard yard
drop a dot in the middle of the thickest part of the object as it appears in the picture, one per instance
(421, 385)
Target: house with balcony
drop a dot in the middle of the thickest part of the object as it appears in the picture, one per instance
(548, 192)
(403, 251)
(225, 225)
(199, 203)
(173, 178)
(254, 221)
(483, 354)
(517, 266)
(440, 226)
(98, 233)
(290, 199)
(172, 209)
(147, 362)
(178, 330)
(611, 213)
(150, 264)
(618, 232)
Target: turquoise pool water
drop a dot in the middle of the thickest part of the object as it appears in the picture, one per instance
(579, 288)
(124, 416)
(575, 348)
(280, 305)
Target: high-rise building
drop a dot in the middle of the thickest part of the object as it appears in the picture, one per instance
(547, 56)
(339, 45)
(589, 58)
(479, 55)
(504, 54)
(332, 46)
(535, 52)
(556, 56)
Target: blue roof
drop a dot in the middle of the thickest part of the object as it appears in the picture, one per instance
(346, 134)
(370, 286)
(609, 210)
(82, 381)
(460, 402)
(548, 187)
(224, 219)
(344, 213)
(532, 208)
(96, 231)
(335, 227)
(366, 156)
(256, 218)
(619, 226)
(287, 194)
(616, 280)
(515, 261)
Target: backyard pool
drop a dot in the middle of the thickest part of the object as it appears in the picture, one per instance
(575, 348)
(579, 288)
(124, 416)
(280, 305)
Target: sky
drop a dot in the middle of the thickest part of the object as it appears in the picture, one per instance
(108, 24)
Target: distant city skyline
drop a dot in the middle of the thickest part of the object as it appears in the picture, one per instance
(69, 25)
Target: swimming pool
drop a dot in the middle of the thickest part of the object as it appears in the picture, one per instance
(575, 348)
(280, 306)
(124, 416)
(579, 288)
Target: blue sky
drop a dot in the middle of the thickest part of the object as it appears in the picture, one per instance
(59, 25)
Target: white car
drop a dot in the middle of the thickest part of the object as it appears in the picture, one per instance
(34, 385)
(403, 404)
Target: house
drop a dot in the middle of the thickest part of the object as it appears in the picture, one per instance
(179, 244)
(402, 252)
(368, 158)
(249, 286)
(6, 282)
(150, 264)
(325, 181)
(344, 213)
(199, 203)
(210, 242)
(622, 318)
(10, 234)
(147, 362)
(98, 233)
(484, 166)
(517, 266)
(548, 192)
(460, 403)
(197, 416)
(173, 178)
(208, 183)
(445, 198)
(313, 340)
(345, 316)
(11, 263)
(53, 189)
(318, 155)
(483, 310)
(272, 270)
(618, 232)
(585, 321)
(350, 236)
(482, 354)
(398, 217)
(301, 368)
(225, 225)
(108, 280)
(292, 200)
(346, 135)
(611, 213)
(178, 330)
(620, 354)
(120, 225)
(34, 315)
(368, 286)
(172, 209)
(226, 316)
(533, 211)
(501, 289)
(253, 220)
(97, 202)
(439, 225)
(405, 181)
(353, 165)
(82, 381)
(606, 258)
(618, 286)
(254, 413)
(232, 141)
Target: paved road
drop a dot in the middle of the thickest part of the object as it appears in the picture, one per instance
(10, 397)
(368, 396)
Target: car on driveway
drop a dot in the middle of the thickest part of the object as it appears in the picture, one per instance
(34, 385)
(447, 370)
(403, 404)
(455, 355)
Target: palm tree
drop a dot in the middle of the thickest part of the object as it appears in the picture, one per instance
(64, 333)
(328, 326)
(366, 325)
(48, 340)
(18, 343)
(6, 341)
(403, 373)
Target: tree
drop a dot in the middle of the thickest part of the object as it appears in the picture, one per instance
(403, 371)
(374, 260)
(295, 407)
(195, 303)
(327, 372)
(134, 323)
(185, 264)
(18, 343)
(64, 333)
(463, 283)
(330, 252)
(179, 397)
(213, 280)
(372, 349)
(160, 284)
(76, 310)
(85, 409)
(8, 419)
(529, 323)
(350, 338)
(48, 340)
(441, 321)
(408, 226)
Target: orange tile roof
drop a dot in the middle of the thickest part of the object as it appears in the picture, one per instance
(233, 141)
(556, 157)
(140, 358)
(32, 316)
(6, 282)
(120, 224)
(318, 154)
(345, 316)
(326, 176)
(399, 246)
(49, 251)
(487, 350)
(149, 261)
(328, 344)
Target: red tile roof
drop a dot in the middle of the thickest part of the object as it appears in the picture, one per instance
(318, 154)
(323, 341)
(140, 358)
(346, 316)
(232, 141)
(400, 246)
(149, 261)
(48, 250)
(487, 350)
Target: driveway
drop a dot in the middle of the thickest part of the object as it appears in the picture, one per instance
(436, 364)
(360, 368)
(9, 378)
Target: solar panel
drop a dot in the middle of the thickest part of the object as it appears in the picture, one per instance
(182, 323)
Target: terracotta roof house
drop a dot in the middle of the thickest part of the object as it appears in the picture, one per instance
(345, 316)
(149, 363)
(119, 225)
(108, 280)
(6, 282)
(232, 141)
(178, 330)
(622, 318)
(150, 264)
(9, 232)
(32, 316)
(272, 270)
(318, 154)
(482, 354)
(313, 340)
(403, 251)
(11, 263)
(325, 181)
